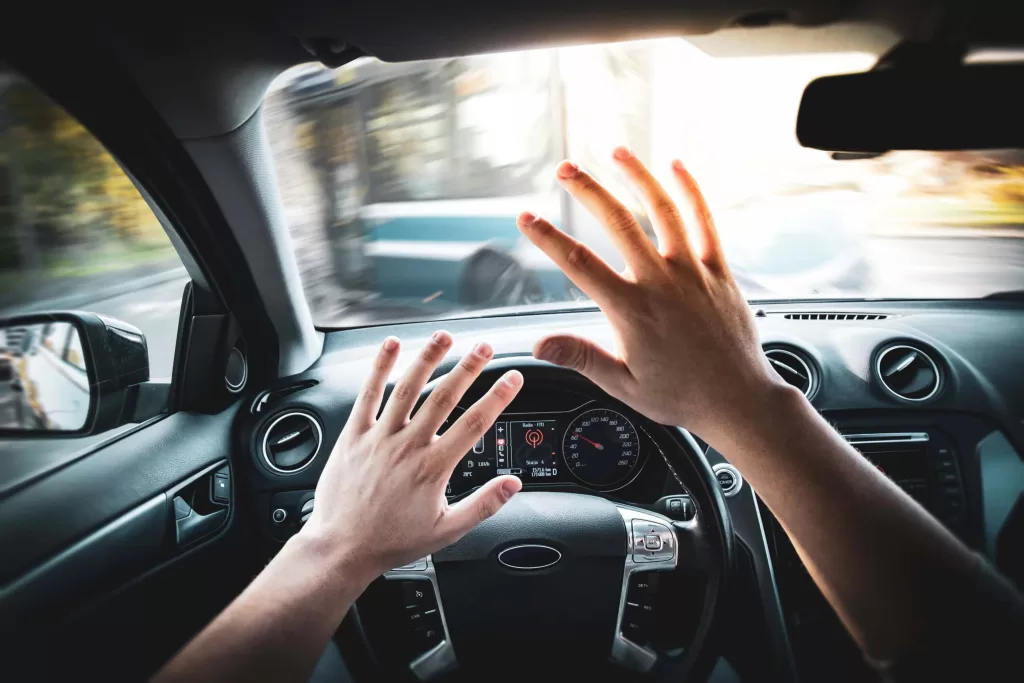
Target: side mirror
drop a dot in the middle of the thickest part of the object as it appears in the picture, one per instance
(73, 374)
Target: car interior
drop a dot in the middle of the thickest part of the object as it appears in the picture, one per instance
(658, 564)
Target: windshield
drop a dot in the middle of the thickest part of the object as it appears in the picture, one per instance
(402, 182)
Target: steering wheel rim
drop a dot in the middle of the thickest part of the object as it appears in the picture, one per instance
(712, 538)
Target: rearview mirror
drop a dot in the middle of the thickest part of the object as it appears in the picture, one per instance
(72, 374)
(951, 108)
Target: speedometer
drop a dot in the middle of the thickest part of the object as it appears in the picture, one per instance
(601, 447)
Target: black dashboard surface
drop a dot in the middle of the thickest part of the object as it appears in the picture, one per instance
(978, 342)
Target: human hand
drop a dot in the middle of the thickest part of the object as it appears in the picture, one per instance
(380, 501)
(686, 351)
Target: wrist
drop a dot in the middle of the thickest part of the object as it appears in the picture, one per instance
(332, 555)
(763, 409)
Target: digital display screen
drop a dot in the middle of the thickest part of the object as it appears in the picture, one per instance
(533, 448)
(593, 446)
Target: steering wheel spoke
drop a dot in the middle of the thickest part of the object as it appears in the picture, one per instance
(438, 656)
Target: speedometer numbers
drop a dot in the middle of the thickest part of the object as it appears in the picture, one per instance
(601, 448)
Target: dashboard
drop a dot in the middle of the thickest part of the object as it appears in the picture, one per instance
(929, 392)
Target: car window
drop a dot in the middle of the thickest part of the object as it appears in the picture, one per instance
(75, 234)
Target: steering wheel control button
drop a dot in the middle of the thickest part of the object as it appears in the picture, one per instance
(417, 593)
(652, 542)
(279, 515)
(426, 637)
(729, 479)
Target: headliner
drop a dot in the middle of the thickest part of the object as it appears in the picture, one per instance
(206, 71)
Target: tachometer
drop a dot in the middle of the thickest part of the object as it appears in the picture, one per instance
(601, 447)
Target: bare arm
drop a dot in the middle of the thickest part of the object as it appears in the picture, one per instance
(687, 353)
(379, 504)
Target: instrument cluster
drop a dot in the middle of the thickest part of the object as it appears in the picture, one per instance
(590, 445)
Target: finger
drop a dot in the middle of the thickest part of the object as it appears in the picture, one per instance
(468, 429)
(663, 212)
(587, 270)
(447, 393)
(364, 411)
(622, 227)
(587, 358)
(708, 247)
(407, 391)
(481, 504)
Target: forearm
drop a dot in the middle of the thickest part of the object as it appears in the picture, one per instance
(278, 627)
(886, 566)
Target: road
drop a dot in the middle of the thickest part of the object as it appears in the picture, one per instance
(910, 267)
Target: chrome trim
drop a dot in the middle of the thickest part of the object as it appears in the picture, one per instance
(237, 388)
(625, 652)
(938, 373)
(316, 452)
(630, 476)
(812, 375)
(886, 437)
(440, 658)
(530, 545)
(735, 475)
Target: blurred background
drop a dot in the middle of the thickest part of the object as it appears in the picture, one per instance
(401, 184)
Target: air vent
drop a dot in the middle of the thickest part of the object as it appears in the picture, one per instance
(795, 368)
(836, 316)
(291, 442)
(908, 373)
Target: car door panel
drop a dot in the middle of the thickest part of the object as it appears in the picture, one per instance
(43, 519)
(102, 566)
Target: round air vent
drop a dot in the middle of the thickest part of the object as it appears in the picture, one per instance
(908, 373)
(291, 442)
(795, 368)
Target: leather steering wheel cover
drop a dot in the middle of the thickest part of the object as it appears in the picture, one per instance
(693, 470)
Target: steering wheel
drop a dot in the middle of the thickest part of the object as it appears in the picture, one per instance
(552, 585)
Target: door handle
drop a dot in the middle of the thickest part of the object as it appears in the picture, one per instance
(193, 526)
(200, 505)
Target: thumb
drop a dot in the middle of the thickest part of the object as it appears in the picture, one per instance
(585, 357)
(483, 503)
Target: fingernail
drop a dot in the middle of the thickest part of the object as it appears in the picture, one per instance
(552, 352)
(513, 378)
(526, 219)
(482, 349)
(442, 337)
(510, 487)
(567, 170)
(623, 153)
(678, 165)
(390, 344)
